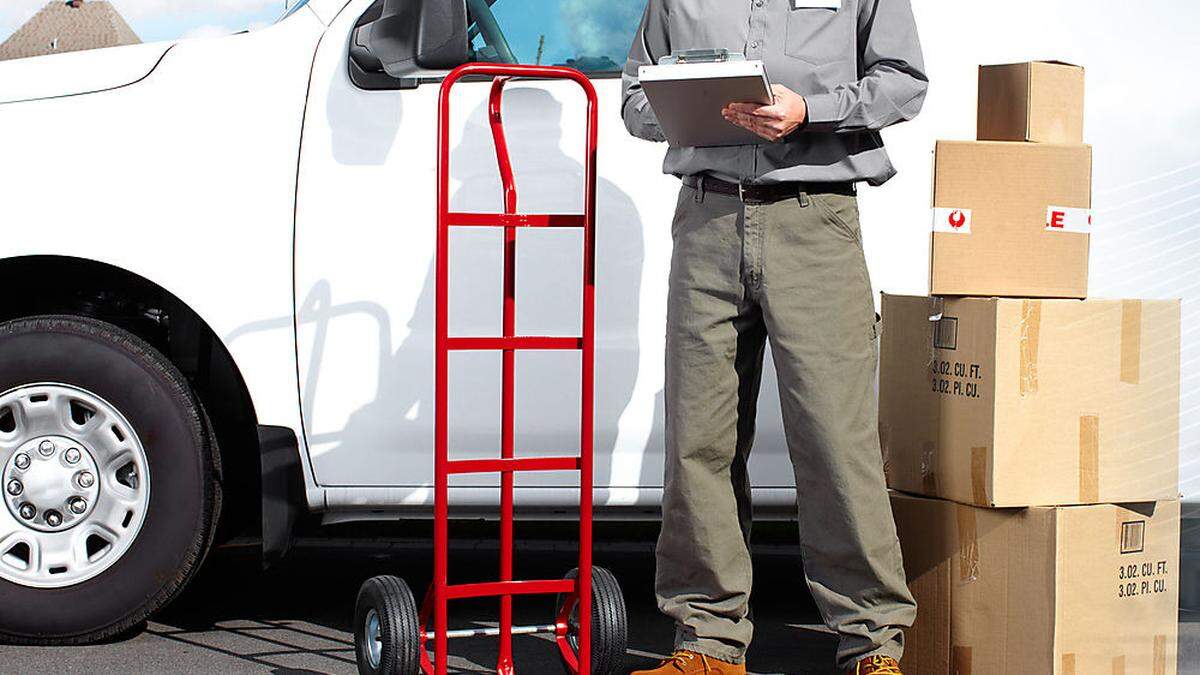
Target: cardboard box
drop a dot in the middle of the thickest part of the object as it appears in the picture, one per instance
(1011, 219)
(1056, 590)
(1040, 101)
(1031, 402)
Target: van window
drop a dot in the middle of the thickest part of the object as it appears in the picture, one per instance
(591, 35)
(292, 9)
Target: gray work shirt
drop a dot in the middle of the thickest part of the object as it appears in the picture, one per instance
(859, 68)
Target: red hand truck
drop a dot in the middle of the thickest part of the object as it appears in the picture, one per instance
(589, 626)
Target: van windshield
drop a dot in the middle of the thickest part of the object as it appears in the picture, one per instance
(591, 35)
(292, 9)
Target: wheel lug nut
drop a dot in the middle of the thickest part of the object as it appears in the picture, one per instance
(78, 505)
(15, 488)
(22, 461)
(46, 448)
(85, 479)
(53, 518)
(71, 455)
(27, 511)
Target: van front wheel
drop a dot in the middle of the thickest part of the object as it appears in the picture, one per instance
(109, 482)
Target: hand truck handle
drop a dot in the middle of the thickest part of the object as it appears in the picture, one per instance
(502, 73)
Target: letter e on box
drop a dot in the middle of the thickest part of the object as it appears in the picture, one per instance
(1067, 219)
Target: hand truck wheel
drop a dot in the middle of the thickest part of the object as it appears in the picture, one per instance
(387, 628)
(610, 632)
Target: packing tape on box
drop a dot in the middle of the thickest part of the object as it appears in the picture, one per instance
(1068, 219)
(957, 221)
(979, 465)
(1131, 341)
(960, 660)
(936, 308)
(968, 544)
(1160, 655)
(1031, 327)
(1068, 664)
(929, 483)
(1089, 459)
(1118, 665)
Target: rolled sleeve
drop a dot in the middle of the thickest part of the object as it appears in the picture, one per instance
(651, 43)
(894, 82)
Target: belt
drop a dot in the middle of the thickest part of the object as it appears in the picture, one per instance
(766, 193)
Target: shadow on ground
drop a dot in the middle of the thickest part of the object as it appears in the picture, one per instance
(296, 617)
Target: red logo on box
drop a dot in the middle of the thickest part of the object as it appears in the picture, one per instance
(953, 220)
(1067, 219)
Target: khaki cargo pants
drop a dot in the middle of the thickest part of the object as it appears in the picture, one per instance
(791, 272)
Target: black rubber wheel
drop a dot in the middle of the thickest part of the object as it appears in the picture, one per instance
(386, 615)
(610, 623)
(184, 493)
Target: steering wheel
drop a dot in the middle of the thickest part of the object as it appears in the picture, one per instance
(486, 22)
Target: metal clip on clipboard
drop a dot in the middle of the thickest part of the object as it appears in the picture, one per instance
(701, 56)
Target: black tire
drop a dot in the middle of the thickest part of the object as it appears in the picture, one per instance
(610, 623)
(399, 627)
(181, 456)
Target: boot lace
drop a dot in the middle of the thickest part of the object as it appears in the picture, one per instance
(878, 665)
(681, 660)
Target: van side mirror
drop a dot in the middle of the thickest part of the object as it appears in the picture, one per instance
(404, 39)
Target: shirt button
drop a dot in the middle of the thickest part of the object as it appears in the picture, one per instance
(758, 3)
(754, 45)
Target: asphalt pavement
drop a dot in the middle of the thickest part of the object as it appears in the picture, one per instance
(296, 616)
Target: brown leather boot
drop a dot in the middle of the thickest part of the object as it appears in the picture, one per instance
(876, 665)
(684, 662)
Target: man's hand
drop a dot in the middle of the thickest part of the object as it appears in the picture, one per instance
(774, 121)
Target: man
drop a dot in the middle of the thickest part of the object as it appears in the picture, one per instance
(768, 247)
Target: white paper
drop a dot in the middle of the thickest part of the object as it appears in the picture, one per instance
(1067, 219)
(957, 221)
(816, 4)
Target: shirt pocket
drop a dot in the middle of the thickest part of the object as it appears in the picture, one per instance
(817, 36)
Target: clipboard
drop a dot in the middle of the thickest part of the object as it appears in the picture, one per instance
(687, 96)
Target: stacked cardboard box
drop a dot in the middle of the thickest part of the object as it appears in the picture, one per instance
(1031, 434)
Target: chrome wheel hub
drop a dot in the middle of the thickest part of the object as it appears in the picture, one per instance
(57, 488)
(75, 485)
(374, 637)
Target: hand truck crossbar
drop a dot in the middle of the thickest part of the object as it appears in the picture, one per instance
(495, 632)
(461, 466)
(488, 589)
(511, 343)
(459, 219)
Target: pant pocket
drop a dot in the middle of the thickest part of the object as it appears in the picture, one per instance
(842, 213)
(686, 194)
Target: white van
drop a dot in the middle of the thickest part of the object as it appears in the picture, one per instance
(217, 309)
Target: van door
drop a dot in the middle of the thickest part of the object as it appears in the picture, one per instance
(364, 256)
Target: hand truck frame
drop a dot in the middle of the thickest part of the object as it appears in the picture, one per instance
(391, 634)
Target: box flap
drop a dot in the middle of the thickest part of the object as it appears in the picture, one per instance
(1055, 62)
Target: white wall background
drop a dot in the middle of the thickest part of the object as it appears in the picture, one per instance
(1142, 117)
